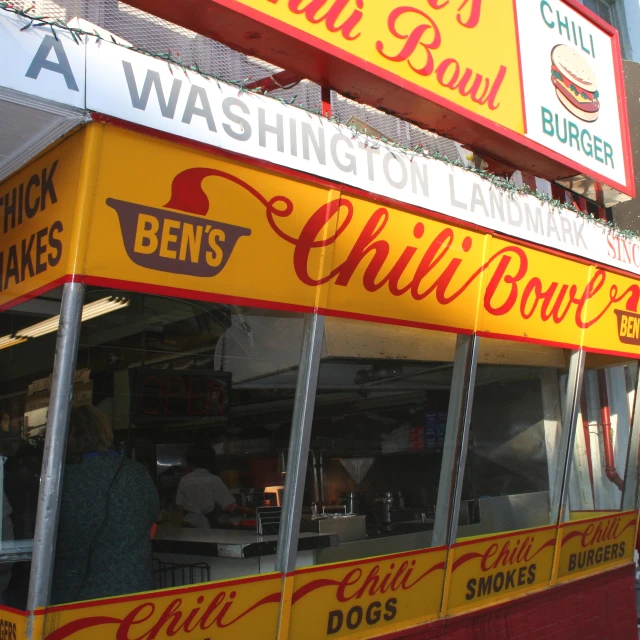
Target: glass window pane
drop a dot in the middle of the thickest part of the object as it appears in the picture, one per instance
(378, 432)
(186, 423)
(515, 427)
(602, 435)
(377, 439)
(26, 365)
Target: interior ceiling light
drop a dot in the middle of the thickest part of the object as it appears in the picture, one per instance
(89, 311)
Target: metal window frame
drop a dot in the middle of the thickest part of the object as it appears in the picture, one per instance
(299, 440)
(456, 443)
(44, 542)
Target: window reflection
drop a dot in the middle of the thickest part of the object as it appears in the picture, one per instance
(377, 438)
(514, 438)
(602, 435)
(27, 347)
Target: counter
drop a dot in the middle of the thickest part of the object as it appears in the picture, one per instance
(190, 556)
(228, 543)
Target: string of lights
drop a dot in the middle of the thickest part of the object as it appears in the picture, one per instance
(174, 62)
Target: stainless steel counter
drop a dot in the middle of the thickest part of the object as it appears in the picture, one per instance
(227, 543)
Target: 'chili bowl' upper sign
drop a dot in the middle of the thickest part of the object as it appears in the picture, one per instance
(534, 83)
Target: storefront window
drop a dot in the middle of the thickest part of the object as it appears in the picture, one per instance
(513, 452)
(602, 436)
(27, 348)
(199, 398)
(377, 439)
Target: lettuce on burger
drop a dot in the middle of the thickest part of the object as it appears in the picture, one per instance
(575, 83)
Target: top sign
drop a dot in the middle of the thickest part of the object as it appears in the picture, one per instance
(536, 84)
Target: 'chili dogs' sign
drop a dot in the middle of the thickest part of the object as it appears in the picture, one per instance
(590, 546)
(368, 598)
(180, 219)
(537, 83)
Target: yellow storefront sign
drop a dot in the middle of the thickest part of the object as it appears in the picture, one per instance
(126, 210)
(369, 597)
(493, 569)
(169, 219)
(592, 545)
(225, 611)
(439, 46)
(37, 207)
(13, 624)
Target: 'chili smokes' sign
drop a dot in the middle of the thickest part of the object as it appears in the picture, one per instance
(537, 83)
(491, 569)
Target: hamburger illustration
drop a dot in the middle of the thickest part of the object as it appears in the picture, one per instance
(575, 83)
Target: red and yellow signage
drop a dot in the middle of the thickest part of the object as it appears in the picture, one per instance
(170, 219)
(225, 611)
(369, 597)
(37, 207)
(13, 624)
(492, 569)
(362, 599)
(436, 62)
(595, 544)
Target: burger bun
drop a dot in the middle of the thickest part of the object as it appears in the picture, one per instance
(574, 67)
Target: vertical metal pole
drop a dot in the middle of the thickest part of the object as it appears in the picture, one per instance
(44, 543)
(456, 441)
(630, 493)
(299, 443)
(558, 511)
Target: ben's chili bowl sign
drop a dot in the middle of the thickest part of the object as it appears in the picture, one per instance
(231, 610)
(368, 597)
(589, 546)
(142, 90)
(489, 570)
(349, 254)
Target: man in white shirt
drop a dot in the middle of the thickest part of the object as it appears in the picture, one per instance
(202, 494)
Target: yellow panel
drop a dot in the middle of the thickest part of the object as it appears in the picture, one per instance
(37, 208)
(367, 598)
(593, 545)
(443, 47)
(531, 294)
(612, 317)
(492, 569)
(227, 611)
(173, 220)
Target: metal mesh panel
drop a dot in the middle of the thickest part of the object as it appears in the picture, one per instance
(159, 36)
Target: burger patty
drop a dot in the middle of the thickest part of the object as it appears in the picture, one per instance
(590, 105)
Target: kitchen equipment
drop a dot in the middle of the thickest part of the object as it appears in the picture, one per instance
(385, 504)
(349, 528)
(357, 467)
(353, 501)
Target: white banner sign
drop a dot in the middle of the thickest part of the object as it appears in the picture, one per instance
(143, 90)
(37, 62)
